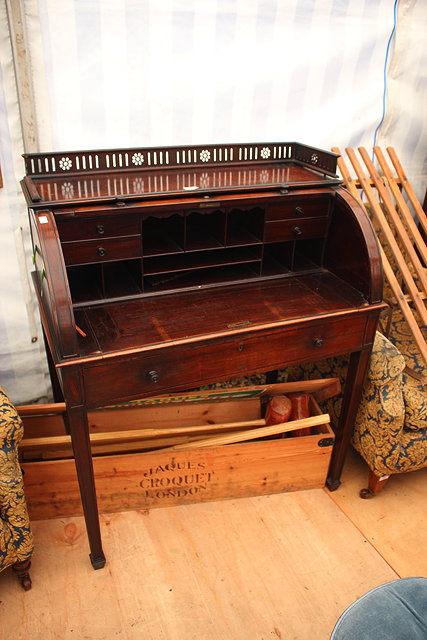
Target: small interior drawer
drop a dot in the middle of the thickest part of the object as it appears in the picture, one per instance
(102, 250)
(297, 209)
(99, 227)
(295, 229)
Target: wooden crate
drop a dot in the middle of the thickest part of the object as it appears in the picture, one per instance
(131, 474)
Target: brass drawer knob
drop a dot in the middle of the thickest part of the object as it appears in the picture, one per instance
(100, 229)
(101, 252)
(299, 211)
(153, 376)
(297, 231)
(318, 342)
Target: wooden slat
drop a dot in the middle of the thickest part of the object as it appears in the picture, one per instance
(151, 416)
(393, 185)
(349, 181)
(141, 434)
(397, 223)
(65, 451)
(401, 299)
(57, 447)
(407, 187)
(389, 236)
(41, 409)
(252, 434)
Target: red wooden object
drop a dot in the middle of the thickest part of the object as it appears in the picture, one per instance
(278, 410)
(300, 403)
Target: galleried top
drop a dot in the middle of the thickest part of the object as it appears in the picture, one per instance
(135, 173)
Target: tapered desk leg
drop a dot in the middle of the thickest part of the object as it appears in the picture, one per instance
(357, 370)
(79, 431)
(84, 467)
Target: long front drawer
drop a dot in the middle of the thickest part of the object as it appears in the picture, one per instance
(195, 364)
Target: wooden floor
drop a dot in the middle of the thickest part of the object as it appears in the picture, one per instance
(282, 566)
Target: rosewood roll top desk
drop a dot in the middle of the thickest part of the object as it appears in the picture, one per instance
(163, 269)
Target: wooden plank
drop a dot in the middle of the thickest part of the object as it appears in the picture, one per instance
(60, 452)
(162, 478)
(253, 434)
(106, 428)
(156, 417)
(41, 409)
(241, 569)
(397, 539)
(141, 434)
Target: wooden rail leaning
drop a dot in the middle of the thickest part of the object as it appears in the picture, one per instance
(253, 434)
(398, 227)
(143, 436)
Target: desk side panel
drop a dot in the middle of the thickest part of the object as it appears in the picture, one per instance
(50, 279)
(352, 251)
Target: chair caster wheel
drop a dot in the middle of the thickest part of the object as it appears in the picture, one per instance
(21, 571)
(26, 582)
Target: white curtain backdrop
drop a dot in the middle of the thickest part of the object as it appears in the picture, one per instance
(23, 370)
(109, 73)
(127, 72)
(405, 122)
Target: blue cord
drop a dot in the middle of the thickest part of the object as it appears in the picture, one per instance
(396, 2)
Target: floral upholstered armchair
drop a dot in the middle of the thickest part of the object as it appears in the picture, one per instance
(16, 541)
(390, 430)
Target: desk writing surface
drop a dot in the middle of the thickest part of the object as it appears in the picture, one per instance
(163, 319)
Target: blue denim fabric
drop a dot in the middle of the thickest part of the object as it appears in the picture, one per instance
(393, 611)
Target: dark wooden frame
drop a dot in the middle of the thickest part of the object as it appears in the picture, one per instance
(114, 353)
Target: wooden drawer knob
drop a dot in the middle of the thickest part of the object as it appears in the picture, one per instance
(318, 342)
(153, 376)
